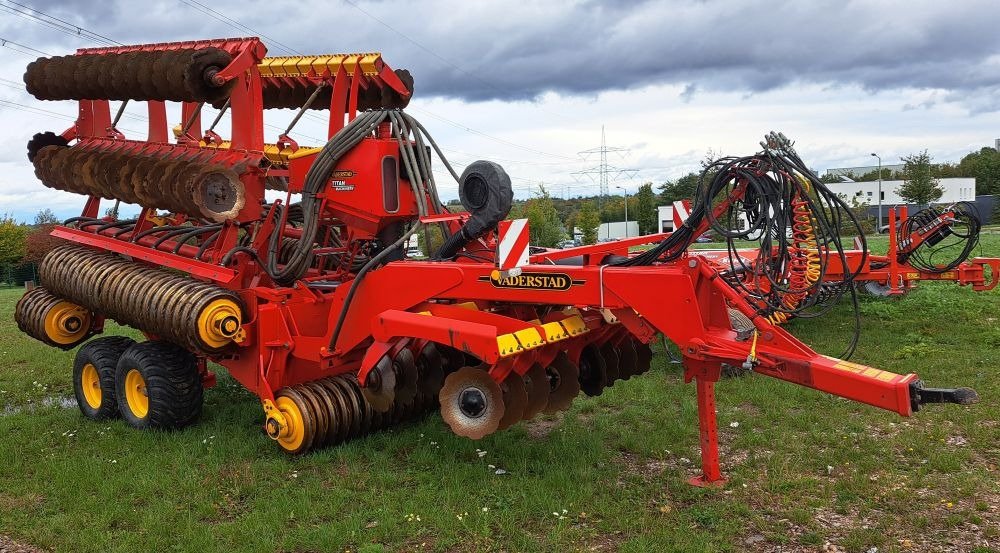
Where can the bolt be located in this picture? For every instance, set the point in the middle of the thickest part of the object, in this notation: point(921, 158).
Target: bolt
point(692, 263)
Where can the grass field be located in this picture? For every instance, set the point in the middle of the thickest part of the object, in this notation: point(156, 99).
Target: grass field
point(807, 471)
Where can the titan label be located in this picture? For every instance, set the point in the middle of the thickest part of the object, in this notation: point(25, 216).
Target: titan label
point(532, 281)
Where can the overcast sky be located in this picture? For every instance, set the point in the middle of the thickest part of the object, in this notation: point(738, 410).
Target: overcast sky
point(530, 84)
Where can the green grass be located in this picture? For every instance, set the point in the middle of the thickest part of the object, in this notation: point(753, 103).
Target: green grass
point(804, 467)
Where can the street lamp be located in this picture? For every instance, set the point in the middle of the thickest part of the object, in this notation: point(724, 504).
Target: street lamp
point(626, 209)
point(878, 224)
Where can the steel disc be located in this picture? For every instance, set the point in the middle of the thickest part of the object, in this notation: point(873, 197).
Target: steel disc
point(593, 377)
point(321, 417)
point(877, 289)
point(610, 363)
point(340, 401)
point(536, 383)
point(453, 359)
point(564, 383)
point(429, 370)
point(355, 419)
point(471, 403)
point(303, 410)
point(645, 356)
point(405, 367)
point(380, 386)
point(328, 412)
point(628, 359)
point(515, 399)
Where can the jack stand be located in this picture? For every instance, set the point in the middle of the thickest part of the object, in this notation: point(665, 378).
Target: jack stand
point(711, 472)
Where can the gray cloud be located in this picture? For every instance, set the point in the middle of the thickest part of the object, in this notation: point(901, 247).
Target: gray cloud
point(478, 51)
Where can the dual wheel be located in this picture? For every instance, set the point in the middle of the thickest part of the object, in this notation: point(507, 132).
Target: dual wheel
point(149, 384)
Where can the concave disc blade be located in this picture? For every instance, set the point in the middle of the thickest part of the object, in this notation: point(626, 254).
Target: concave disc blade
point(645, 354)
point(564, 383)
point(430, 370)
point(515, 399)
point(405, 367)
point(536, 383)
point(380, 386)
point(611, 369)
point(592, 373)
point(471, 403)
point(628, 359)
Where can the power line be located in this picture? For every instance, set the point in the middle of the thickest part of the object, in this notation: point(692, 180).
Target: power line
point(606, 173)
point(17, 47)
point(53, 22)
point(480, 133)
point(237, 25)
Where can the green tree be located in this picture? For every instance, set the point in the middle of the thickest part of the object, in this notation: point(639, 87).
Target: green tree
point(984, 166)
point(588, 220)
point(12, 239)
point(46, 217)
point(545, 227)
point(681, 189)
point(645, 209)
point(430, 239)
point(919, 185)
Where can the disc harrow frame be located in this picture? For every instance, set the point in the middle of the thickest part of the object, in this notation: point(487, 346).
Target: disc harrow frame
point(315, 308)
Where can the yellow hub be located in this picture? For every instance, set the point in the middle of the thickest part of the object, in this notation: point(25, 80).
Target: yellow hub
point(135, 393)
point(66, 323)
point(219, 322)
point(90, 383)
point(292, 432)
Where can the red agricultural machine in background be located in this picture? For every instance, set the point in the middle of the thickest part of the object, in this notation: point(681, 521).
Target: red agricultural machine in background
point(310, 302)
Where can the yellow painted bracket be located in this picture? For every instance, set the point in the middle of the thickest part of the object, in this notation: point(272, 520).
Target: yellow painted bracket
point(554, 332)
point(529, 337)
point(306, 66)
point(574, 325)
point(275, 422)
point(508, 345)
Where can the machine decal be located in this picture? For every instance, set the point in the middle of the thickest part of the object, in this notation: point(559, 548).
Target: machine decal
point(532, 281)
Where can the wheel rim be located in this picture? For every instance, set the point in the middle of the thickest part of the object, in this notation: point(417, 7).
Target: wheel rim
point(293, 434)
point(90, 383)
point(135, 393)
point(67, 323)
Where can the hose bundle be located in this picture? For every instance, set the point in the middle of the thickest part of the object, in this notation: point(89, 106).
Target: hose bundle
point(949, 246)
point(795, 219)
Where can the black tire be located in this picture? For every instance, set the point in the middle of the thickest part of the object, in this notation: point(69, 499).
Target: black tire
point(102, 354)
point(170, 381)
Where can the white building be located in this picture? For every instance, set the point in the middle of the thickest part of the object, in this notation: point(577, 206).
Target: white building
point(618, 230)
point(665, 216)
point(955, 190)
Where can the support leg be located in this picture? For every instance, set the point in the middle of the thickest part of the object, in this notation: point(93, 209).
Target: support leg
point(711, 473)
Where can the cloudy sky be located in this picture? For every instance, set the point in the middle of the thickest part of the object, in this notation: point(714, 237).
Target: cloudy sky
point(530, 84)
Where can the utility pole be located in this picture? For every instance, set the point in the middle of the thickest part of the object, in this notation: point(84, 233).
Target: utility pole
point(626, 208)
point(878, 224)
point(604, 173)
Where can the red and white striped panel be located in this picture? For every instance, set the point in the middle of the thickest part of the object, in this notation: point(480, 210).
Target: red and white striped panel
point(682, 210)
point(512, 244)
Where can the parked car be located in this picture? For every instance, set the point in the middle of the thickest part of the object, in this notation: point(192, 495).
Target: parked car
point(704, 239)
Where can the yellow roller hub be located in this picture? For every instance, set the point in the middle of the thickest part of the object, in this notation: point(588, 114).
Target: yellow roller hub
point(135, 393)
point(219, 322)
point(293, 433)
point(90, 383)
point(66, 323)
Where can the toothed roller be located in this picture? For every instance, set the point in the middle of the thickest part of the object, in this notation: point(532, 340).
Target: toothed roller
point(183, 75)
point(188, 312)
point(332, 410)
point(198, 189)
point(53, 320)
